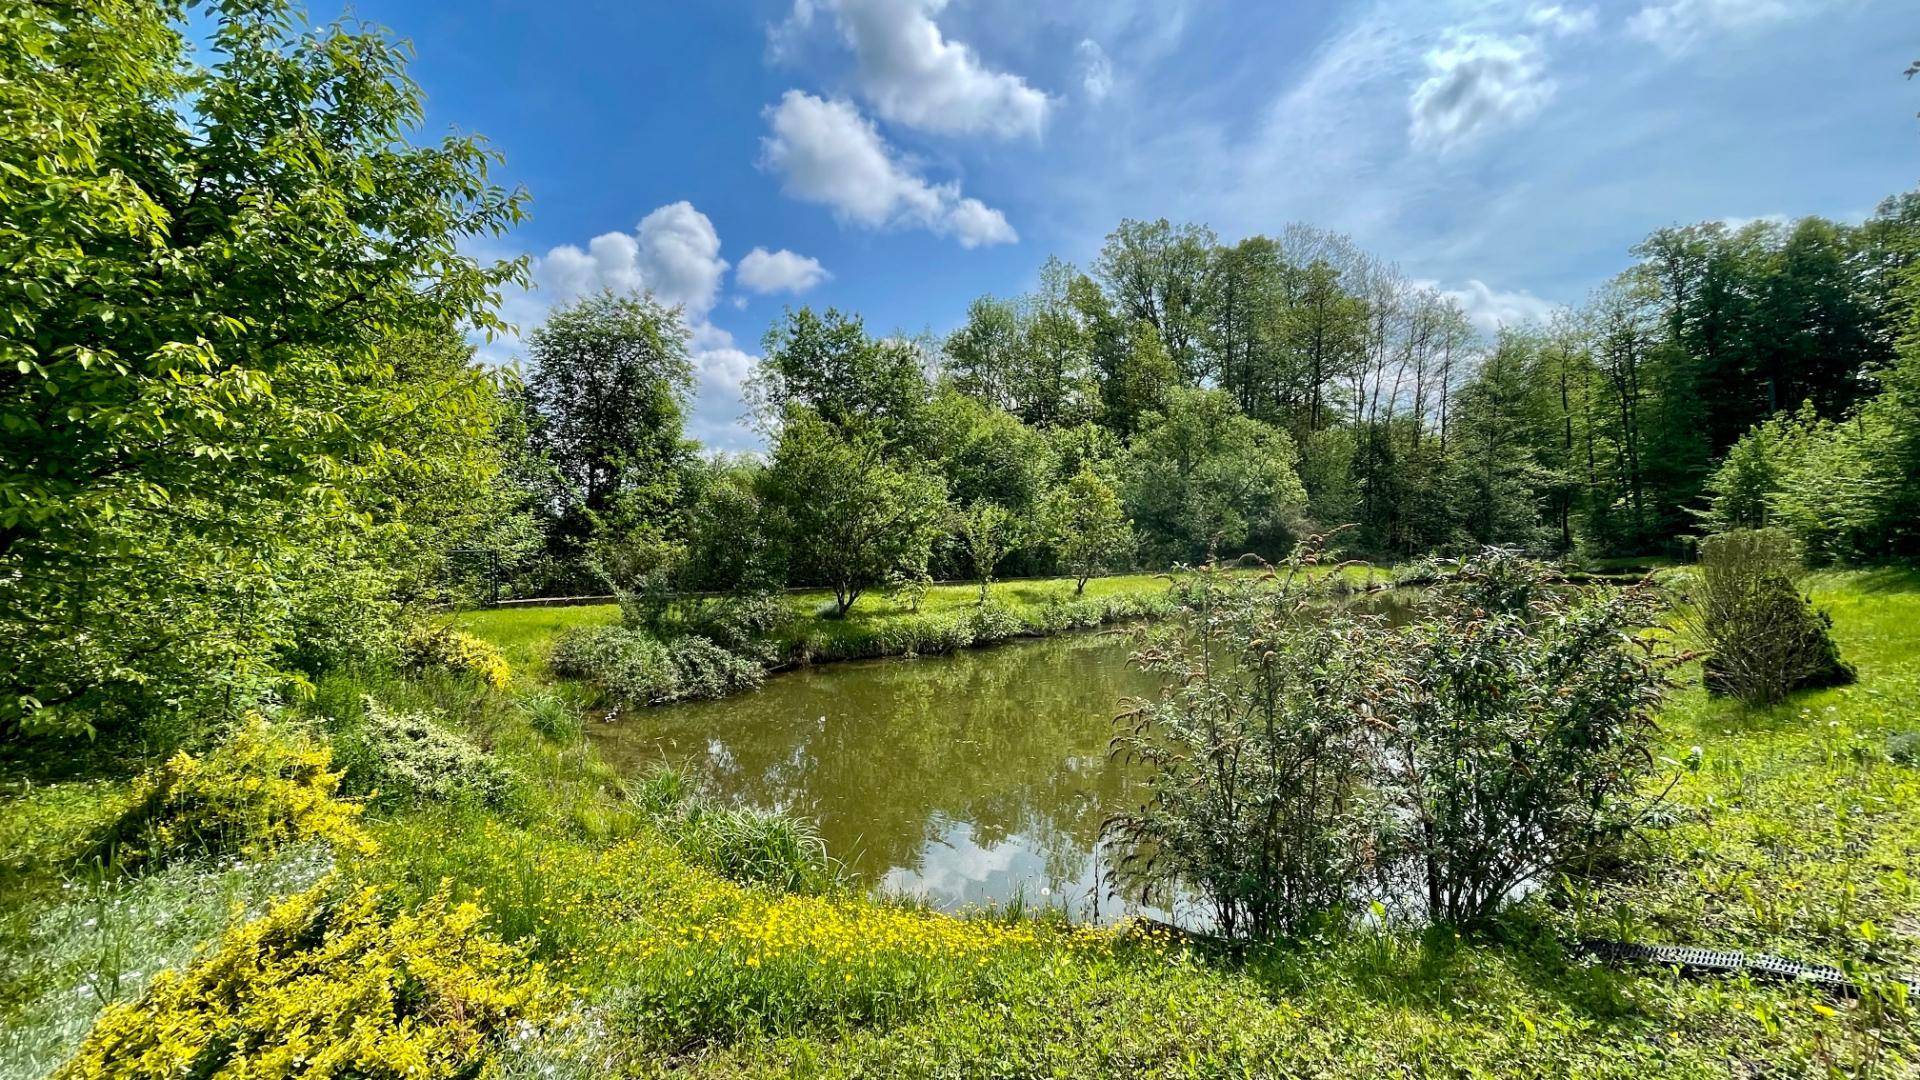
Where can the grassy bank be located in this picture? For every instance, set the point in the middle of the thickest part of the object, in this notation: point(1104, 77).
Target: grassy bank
point(526, 635)
point(1798, 834)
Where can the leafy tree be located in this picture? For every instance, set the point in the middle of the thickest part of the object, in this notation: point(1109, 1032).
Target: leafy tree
point(1204, 476)
point(205, 267)
point(987, 533)
point(828, 364)
point(849, 516)
point(1155, 272)
point(987, 454)
point(610, 382)
point(1087, 526)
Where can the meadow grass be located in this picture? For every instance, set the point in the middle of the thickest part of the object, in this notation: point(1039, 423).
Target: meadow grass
point(1798, 834)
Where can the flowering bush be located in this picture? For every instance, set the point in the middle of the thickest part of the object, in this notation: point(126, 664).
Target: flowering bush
point(432, 646)
point(266, 786)
point(326, 986)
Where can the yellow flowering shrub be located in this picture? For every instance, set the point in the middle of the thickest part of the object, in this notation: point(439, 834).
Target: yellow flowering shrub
point(326, 986)
point(444, 648)
point(267, 785)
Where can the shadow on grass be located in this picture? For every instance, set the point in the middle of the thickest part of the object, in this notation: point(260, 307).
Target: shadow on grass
point(1519, 964)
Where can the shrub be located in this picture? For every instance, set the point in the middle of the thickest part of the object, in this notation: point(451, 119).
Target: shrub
point(1518, 716)
point(1259, 754)
point(414, 757)
point(629, 665)
point(324, 987)
point(639, 669)
point(1302, 752)
point(266, 786)
point(745, 624)
point(702, 669)
point(1762, 639)
point(995, 622)
point(1903, 748)
point(436, 647)
point(552, 716)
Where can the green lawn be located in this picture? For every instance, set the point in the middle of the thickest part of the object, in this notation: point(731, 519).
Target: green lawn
point(1799, 835)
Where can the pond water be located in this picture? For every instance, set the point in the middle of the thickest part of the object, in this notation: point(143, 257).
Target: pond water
point(966, 779)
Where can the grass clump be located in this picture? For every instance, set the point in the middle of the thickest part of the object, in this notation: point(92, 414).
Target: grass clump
point(326, 985)
point(552, 715)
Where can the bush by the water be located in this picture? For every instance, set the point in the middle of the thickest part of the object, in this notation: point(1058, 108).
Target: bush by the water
point(1307, 755)
point(266, 786)
point(1762, 639)
point(1258, 751)
point(436, 647)
point(326, 985)
point(639, 669)
point(412, 757)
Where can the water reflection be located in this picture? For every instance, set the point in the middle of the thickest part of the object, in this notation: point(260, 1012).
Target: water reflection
point(967, 779)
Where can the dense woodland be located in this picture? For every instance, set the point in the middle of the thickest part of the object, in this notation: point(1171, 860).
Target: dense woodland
point(1227, 398)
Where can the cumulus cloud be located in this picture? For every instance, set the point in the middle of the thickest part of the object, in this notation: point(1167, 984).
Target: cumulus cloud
point(827, 153)
point(673, 253)
point(1563, 21)
point(764, 271)
point(1096, 71)
point(1478, 83)
point(1677, 25)
point(1489, 309)
point(912, 74)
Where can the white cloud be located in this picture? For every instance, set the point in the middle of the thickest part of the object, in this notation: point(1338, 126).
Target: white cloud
point(764, 271)
point(913, 75)
point(827, 153)
point(975, 224)
point(1096, 71)
point(1489, 309)
point(1477, 83)
point(1736, 222)
point(1677, 25)
point(1563, 21)
point(674, 253)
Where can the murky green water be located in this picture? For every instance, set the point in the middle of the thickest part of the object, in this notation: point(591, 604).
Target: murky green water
point(965, 779)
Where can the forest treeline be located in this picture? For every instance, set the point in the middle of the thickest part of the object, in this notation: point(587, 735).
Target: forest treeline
point(1183, 396)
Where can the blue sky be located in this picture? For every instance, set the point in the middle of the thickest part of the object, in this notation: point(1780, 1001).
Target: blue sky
point(899, 157)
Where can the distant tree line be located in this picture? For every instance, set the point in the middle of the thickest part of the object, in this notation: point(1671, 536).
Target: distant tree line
point(1188, 396)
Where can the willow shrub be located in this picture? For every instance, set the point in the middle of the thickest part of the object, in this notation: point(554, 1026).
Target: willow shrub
point(1518, 718)
point(326, 985)
point(1307, 754)
point(1260, 752)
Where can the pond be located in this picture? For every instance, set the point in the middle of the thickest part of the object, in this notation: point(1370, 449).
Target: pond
point(967, 779)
